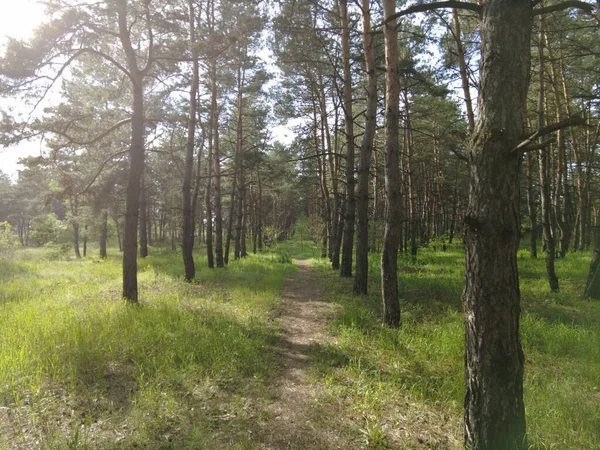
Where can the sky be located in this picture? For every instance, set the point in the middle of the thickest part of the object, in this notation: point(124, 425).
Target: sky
point(18, 19)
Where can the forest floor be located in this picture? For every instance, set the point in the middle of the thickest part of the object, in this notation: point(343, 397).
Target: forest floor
point(303, 318)
point(273, 353)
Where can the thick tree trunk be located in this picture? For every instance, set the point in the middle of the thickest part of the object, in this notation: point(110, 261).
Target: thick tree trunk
point(366, 149)
point(494, 410)
point(187, 231)
point(391, 235)
point(349, 212)
point(103, 233)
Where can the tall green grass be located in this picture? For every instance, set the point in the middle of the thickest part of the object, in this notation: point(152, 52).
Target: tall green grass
point(374, 369)
point(80, 368)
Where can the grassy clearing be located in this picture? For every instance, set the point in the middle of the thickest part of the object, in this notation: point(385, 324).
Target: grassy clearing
point(406, 386)
point(193, 366)
point(79, 368)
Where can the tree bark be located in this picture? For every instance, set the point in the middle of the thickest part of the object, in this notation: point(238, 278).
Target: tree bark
point(391, 235)
point(103, 233)
point(462, 66)
point(187, 232)
point(494, 410)
point(547, 228)
point(75, 223)
point(531, 207)
point(136, 160)
point(349, 212)
point(143, 220)
point(366, 150)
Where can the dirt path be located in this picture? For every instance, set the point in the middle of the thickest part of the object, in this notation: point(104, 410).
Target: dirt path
point(295, 420)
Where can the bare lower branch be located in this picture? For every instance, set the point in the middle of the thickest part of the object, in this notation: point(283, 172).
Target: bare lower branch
point(587, 7)
point(435, 5)
point(570, 122)
point(538, 146)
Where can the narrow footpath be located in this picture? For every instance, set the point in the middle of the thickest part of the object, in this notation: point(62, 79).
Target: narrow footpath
point(296, 423)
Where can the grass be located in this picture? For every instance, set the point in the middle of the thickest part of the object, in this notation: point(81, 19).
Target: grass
point(82, 369)
point(398, 379)
point(194, 365)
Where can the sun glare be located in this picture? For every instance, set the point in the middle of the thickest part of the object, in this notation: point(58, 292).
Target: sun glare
point(19, 18)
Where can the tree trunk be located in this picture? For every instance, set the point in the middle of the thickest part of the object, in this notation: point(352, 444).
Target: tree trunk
point(349, 212)
point(136, 162)
point(545, 180)
point(217, 185)
point(85, 239)
point(366, 150)
point(103, 233)
point(531, 208)
point(143, 212)
point(391, 235)
point(75, 222)
point(187, 231)
point(494, 410)
point(462, 66)
point(592, 285)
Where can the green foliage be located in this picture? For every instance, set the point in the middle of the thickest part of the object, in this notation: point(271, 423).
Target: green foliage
point(46, 228)
point(7, 240)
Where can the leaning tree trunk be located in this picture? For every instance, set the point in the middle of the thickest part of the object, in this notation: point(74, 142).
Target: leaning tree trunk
point(391, 235)
point(366, 148)
point(349, 212)
point(494, 410)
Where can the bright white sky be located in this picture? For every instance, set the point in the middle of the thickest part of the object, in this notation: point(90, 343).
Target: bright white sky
point(18, 19)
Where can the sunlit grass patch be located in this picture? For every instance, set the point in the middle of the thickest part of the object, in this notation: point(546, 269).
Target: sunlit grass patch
point(374, 369)
point(81, 368)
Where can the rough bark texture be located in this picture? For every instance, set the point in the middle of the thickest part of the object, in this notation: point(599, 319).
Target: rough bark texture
point(391, 235)
point(366, 148)
point(494, 411)
point(349, 212)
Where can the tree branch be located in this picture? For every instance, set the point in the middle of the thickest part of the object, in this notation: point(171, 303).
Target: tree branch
point(565, 5)
point(435, 5)
point(538, 146)
point(94, 140)
point(570, 122)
